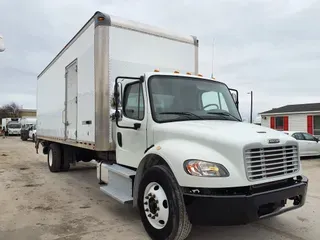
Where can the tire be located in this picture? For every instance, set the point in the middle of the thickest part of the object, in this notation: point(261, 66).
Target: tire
point(65, 165)
point(159, 180)
point(54, 157)
point(67, 155)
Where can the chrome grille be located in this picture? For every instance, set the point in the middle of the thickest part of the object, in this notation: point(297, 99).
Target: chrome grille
point(270, 162)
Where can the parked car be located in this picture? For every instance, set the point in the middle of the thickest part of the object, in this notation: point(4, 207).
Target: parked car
point(309, 145)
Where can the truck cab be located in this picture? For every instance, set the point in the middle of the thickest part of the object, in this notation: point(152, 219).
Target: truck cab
point(13, 128)
point(165, 107)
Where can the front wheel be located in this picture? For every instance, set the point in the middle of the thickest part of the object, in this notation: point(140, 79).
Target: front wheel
point(161, 205)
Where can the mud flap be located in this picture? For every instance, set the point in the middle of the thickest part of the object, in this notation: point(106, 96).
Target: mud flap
point(36, 145)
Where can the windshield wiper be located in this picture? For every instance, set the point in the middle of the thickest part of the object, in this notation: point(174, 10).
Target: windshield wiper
point(183, 113)
point(225, 114)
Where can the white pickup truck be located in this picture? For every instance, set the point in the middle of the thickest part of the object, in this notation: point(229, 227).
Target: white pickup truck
point(166, 139)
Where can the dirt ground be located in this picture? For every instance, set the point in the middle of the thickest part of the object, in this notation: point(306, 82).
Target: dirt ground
point(38, 205)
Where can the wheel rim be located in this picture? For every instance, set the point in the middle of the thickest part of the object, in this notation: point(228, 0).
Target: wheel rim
point(156, 205)
point(50, 157)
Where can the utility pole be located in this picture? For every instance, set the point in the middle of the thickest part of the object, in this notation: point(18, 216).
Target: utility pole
point(251, 105)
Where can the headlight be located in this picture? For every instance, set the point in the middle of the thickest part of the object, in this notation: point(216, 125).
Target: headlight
point(205, 169)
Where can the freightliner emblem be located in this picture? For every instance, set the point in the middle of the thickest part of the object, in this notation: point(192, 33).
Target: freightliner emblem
point(274, 140)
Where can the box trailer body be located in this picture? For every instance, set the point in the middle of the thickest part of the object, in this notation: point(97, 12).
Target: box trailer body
point(4, 122)
point(166, 139)
point(75, 89)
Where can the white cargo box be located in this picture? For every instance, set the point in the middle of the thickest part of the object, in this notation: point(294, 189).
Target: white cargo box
point(74, 91)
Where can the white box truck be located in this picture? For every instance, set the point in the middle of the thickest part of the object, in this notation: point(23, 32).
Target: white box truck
point(12, 126)
point(166, 139)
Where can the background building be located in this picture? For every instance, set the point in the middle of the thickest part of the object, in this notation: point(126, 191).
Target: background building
point(298, 117)
point(28, 113)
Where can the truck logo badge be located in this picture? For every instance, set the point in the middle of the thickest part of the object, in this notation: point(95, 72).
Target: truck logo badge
point(274, 140)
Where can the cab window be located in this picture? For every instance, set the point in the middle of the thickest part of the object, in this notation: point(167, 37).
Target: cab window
point(133, 102)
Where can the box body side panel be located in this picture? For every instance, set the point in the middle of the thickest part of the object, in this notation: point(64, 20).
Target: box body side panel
point(51, 90)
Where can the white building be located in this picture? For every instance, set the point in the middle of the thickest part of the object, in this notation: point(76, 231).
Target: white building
point(299, 117)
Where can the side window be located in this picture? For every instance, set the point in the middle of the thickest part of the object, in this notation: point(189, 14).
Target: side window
point(213, 100)
point(298, 136)
point(133, 102)
point(308, 137)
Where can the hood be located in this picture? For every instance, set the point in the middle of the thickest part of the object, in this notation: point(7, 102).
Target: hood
point(220, 132)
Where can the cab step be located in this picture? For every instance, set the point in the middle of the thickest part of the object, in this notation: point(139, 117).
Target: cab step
point(117, 181)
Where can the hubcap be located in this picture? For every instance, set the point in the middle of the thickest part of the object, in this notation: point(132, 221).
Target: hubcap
point(156, 205)
point(50, 158)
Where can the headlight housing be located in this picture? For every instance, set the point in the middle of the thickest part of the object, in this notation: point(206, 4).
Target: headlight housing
point(201, 168)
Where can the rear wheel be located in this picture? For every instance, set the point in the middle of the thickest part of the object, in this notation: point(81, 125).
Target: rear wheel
point(161, 205)
point(54, 157)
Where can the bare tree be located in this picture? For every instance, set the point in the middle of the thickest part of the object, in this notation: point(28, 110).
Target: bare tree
point(11, 110)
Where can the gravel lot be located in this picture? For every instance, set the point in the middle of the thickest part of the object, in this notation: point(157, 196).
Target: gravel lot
point(36, 204)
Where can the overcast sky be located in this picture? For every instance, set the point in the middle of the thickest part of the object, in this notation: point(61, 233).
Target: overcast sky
point(269, 46)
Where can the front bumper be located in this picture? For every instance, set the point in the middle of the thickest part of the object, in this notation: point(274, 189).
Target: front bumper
point(244, 205)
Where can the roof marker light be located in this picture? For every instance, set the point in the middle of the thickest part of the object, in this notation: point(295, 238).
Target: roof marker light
point(156, 70)
point(200, 75)
point(188, 73)
point(176, 71)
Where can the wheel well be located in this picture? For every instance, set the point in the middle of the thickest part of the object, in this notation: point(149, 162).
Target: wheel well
point(45, 146)
point(147, 162)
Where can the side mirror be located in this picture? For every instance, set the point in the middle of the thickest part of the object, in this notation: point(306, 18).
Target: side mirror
point(235, 96)
point(116, 113)
point(117, 96)
point(316, 139)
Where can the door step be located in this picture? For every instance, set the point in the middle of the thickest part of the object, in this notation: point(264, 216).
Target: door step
point(117, 181)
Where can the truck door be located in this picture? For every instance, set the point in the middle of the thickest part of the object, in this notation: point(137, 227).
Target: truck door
point(71, 103)
point(130, 142)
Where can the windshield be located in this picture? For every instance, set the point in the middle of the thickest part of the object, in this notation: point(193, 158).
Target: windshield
point(14, 125)
point(176, 98)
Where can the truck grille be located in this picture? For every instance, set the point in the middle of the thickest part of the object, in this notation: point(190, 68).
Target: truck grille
point(270, 162)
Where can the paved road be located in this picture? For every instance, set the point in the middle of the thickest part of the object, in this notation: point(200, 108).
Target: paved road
point(38, 205)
